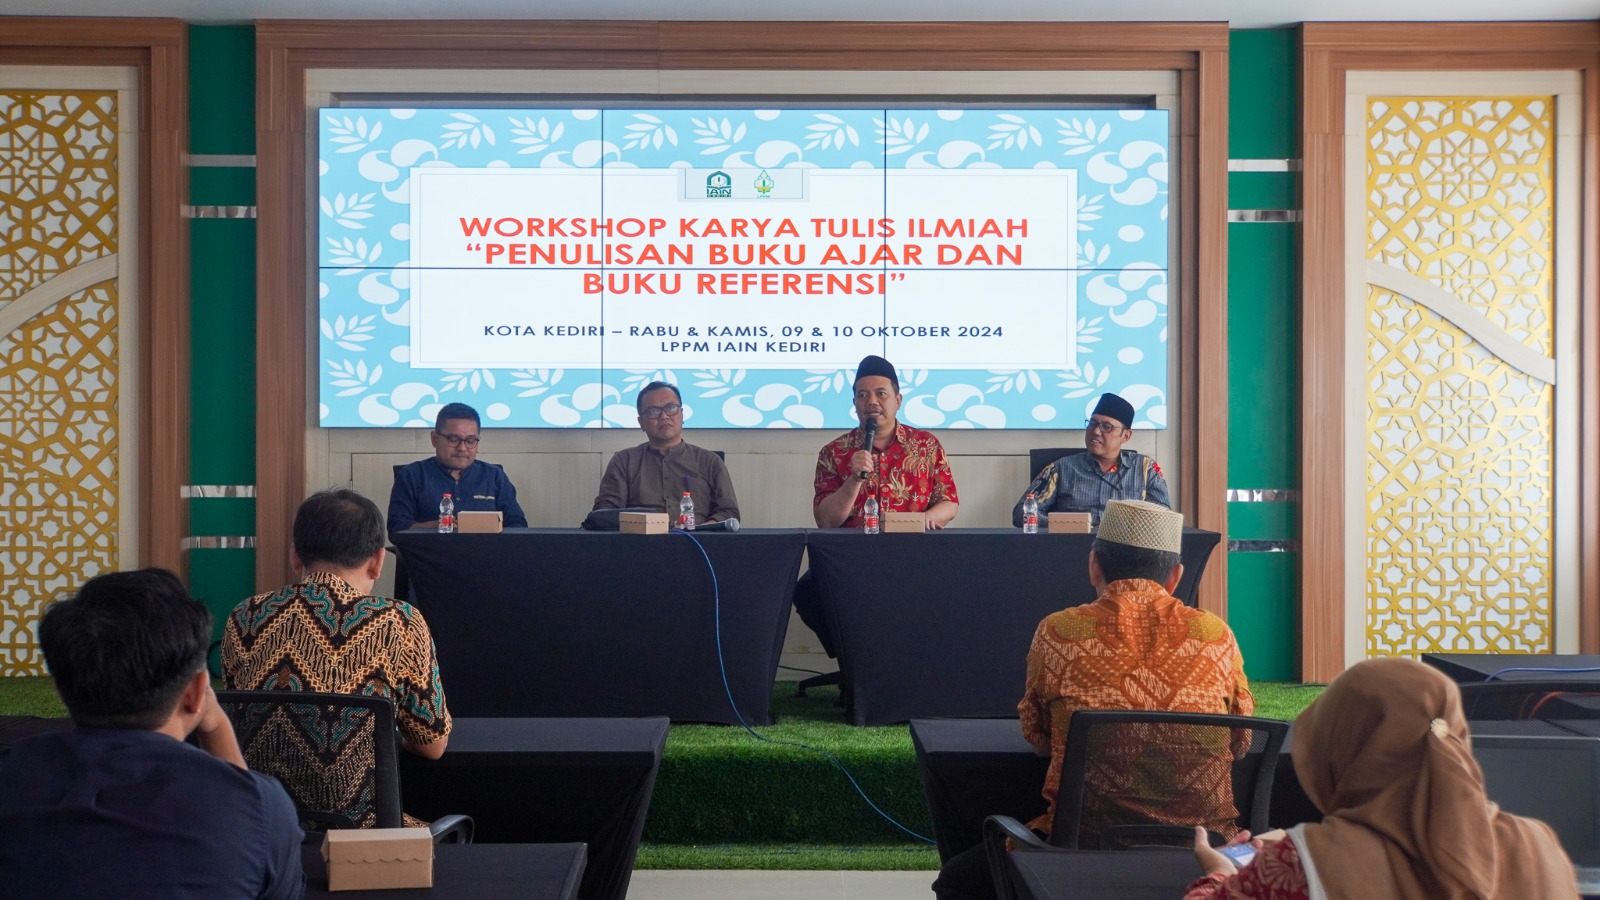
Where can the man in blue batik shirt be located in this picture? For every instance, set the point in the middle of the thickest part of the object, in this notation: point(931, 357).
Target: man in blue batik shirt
point(456, 470)
point(1086, 482)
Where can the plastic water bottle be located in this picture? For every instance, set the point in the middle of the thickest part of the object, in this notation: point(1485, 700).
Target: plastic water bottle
point(447, 514)
point(869, 515)
point(1030, 515)
point(686, 512)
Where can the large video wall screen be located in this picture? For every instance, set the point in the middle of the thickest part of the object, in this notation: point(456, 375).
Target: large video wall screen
point(543, 264)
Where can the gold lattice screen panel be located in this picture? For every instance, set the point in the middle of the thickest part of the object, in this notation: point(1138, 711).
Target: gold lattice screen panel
point(59, 360)
point(1458, 437)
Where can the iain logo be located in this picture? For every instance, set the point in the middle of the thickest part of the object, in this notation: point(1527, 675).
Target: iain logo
point(764, 184)
point(718, 184)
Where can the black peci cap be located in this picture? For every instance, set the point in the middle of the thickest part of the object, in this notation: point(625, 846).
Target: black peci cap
point(1115, 407)
point(877, 365)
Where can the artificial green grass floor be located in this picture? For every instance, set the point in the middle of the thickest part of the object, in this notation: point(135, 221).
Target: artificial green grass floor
point(726, 800)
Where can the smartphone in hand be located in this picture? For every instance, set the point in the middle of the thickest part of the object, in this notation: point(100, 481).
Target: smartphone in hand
point(1241, 854)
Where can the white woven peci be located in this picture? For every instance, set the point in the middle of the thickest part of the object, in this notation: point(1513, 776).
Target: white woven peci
point(1138, 523)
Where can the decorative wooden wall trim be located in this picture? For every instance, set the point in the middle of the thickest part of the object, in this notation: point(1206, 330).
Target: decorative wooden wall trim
point(1328, 52)
point(158, 48)
point(286, 49)
point(1589, 375)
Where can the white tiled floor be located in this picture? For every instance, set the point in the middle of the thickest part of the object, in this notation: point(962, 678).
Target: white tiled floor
point(689, 885)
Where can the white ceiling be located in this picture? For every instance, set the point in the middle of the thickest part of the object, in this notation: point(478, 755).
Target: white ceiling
point(1239, 13)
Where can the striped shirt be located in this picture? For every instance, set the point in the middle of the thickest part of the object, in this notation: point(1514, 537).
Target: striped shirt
point(1076, 483)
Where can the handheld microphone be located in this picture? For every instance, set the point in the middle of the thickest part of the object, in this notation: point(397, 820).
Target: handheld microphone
point(869, 430)
point(729, 524)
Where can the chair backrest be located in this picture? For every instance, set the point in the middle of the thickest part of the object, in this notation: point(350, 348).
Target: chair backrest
point(1039, 457)
point(336, 754)
point(1541, 699)
point(1159, 773)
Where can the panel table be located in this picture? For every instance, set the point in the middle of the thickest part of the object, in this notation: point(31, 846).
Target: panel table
point(939, 624)
point(1468, 667)
point(1154, 874)
point(538, 781)
point(563, 622)
point(473, 872)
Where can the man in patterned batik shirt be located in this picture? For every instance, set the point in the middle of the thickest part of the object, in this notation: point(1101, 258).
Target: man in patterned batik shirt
point(327, 633)
point(1086, 482)
point(904, 467)
point(1134, 647)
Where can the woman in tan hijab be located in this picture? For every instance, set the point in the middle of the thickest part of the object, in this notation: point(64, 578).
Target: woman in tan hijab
point(1386, 755)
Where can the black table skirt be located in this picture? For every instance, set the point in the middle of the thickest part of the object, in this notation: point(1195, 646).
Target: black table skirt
point(547, 622)
point(939, 624)
point(1465, 668)
point(972, 769)
point(542, 781)
point(1102, 874)
point(473, 872)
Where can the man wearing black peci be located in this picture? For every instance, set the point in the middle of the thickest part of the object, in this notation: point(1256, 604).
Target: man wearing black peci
point(1086, 482)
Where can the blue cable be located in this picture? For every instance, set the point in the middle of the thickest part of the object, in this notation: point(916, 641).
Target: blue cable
point(716, 613)
point(1543, 670)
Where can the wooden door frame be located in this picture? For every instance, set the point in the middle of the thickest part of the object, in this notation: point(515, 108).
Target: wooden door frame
point(158, 50)
point(1328, 53)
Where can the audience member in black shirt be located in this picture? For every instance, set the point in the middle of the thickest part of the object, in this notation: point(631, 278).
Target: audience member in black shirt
point(121, 806)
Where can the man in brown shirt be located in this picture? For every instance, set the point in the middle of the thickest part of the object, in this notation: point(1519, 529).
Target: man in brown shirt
point(656, 473)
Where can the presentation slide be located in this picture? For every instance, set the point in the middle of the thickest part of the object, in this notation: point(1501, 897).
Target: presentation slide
point(544, 264)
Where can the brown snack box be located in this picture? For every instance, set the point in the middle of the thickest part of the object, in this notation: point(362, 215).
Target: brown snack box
point(367, 859)
point(1069, 523)
point(905, 522)
point(480, 521)
point(642, 522)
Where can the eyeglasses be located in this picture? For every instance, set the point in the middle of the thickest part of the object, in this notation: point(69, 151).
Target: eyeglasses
point(656, 412)
point(1104, 426)
point(457, 440)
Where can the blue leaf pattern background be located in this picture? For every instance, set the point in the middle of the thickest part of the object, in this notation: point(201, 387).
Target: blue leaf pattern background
point(363, 239)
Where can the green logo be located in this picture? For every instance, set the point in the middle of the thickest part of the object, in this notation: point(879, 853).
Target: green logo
point(764, 184)
point(718, 184)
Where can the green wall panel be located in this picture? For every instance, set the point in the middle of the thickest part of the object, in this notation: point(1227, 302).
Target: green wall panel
point(222, 350)
point(1263, 190)
point(222, 274)
point(1263, 521)
point(1263, 78)
point(223, 516)
point(220, 579)
point(222, 89)
point(1263, 356)
point(222, 186)
point(1263, 351)
point(1262, 592)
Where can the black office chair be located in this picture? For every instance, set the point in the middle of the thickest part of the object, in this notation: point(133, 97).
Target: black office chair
point(815, 681)
point(1039, 457)
point(1120, 761)
point(336, 755)
point(1542, 699)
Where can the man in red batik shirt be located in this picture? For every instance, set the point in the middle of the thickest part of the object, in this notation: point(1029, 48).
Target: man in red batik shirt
point(905, 467)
